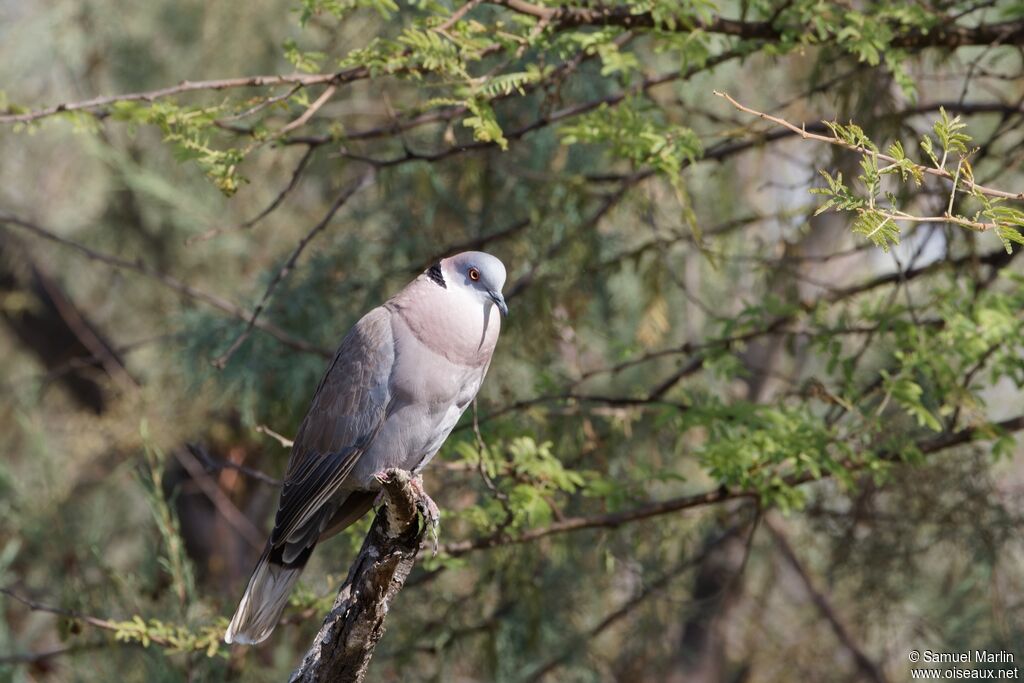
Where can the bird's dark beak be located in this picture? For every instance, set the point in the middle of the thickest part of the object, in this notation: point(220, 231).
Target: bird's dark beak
point(499, 301)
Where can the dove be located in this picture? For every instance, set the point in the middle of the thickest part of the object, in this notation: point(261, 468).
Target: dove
point(397, 385)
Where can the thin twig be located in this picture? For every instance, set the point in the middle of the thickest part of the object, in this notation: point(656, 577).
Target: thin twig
point(312, 109)
point(228, 510)
point(296, 175)
point(283, 440)
point(82, 362)
point(864, 663)
point(97, 103)
point(366, 179)
point(212, 464)
point(581, 640)
point(168, 281)
point(258, 107)
point(83, 331)
point(498, 494)
point(104, 624)
point(802, 132)
point(42, 656)
point(613, 520)
point(473, 244)
point(996, 259)
point(456, 16)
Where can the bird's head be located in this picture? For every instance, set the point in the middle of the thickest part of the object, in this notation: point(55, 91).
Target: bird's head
point(475, 274)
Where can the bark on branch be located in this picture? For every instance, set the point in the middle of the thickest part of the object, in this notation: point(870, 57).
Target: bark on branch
point(344, 646)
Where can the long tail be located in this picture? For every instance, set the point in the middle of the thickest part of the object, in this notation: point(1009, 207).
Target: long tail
point(265, 596)
point(279, 567)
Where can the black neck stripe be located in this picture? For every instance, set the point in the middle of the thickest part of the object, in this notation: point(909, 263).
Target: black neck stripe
point(435, 274)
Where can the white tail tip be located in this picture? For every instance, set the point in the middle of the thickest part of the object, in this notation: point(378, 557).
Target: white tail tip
point(261, 606)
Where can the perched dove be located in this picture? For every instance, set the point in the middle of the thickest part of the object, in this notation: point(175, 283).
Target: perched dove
point(398, 383)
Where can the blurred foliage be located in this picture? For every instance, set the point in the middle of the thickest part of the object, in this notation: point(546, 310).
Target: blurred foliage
point(714, 318)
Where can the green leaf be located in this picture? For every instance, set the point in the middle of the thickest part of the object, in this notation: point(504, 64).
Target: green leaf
point(506, 84)
point(909, 395)
point(308, 62)
point(877, 227)
point(851, 134)
point(840, 196)
point(926, 145)
point(1009, 235)
point(632, 132)
point(484, 123)
point(950, 133)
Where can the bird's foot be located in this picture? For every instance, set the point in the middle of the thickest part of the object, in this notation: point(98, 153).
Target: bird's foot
point(382, 497)
point(424, 503)
point(428, 508)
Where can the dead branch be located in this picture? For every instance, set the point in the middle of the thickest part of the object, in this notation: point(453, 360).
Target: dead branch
point(342, 650)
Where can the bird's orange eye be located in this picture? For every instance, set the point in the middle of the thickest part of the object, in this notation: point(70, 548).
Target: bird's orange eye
point(474, 274)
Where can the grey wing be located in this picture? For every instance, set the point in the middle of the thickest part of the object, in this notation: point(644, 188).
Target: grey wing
point(348, 409)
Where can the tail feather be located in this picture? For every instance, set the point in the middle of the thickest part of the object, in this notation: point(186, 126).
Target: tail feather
point(265, 598)
point(280, 566)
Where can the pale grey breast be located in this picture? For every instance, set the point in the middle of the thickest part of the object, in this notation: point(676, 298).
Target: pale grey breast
point(442, 352)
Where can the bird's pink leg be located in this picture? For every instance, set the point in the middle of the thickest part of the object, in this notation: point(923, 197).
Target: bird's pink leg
point(428, 507)
point(381, 477)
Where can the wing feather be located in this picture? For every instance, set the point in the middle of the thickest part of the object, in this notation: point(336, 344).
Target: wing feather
point(349, 407)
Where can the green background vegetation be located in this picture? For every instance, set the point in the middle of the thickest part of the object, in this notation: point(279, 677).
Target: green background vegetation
point(734, 430)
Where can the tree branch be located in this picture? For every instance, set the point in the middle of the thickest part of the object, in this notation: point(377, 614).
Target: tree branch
point(97, 103)
point(276, 202)
point(948, 35)
point(612, 520)
point(803, 132)
point(343, 648)
point(649, 590)
point(228, 510)
point(117, 628)
point(366, 179)
point(867, 665)
point(167, 281)
point(212, 464)
point(35, 658)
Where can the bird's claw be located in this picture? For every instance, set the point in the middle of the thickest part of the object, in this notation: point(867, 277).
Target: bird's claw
point(424, 504)
point(381, 498)
point(428, 508)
